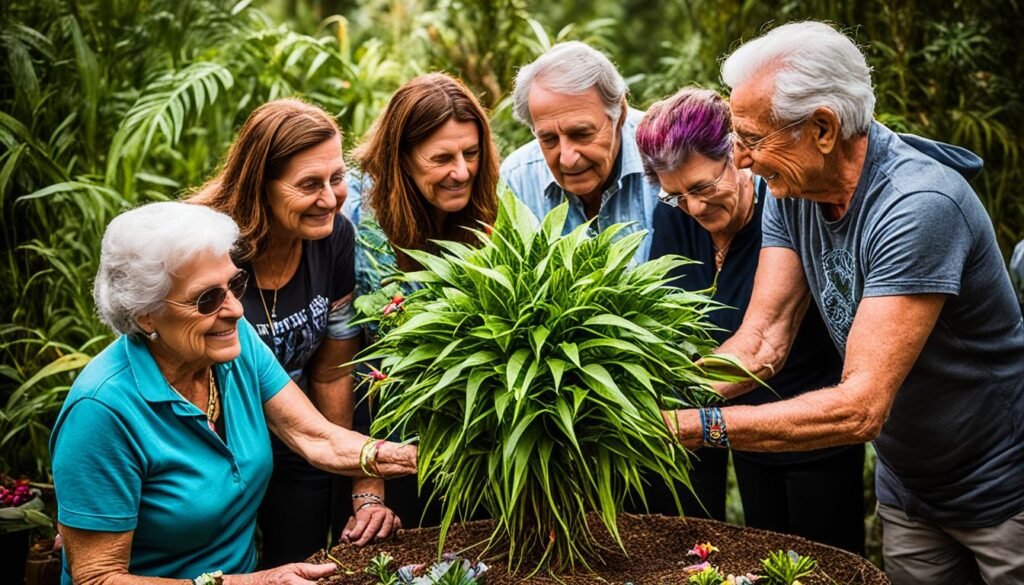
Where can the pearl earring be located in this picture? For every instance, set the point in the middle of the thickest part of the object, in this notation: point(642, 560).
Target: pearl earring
point(153, 336)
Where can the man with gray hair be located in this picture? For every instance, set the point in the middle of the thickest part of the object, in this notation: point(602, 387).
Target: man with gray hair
point(883, 232)
point(574, 101)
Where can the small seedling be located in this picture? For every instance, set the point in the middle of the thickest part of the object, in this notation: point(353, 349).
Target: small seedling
point(709, 576)
point(786, 568)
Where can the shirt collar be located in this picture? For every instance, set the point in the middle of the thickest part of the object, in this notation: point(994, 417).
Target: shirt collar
point(150, 381)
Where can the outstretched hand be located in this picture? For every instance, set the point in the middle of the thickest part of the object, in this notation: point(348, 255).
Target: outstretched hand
point(291, 574)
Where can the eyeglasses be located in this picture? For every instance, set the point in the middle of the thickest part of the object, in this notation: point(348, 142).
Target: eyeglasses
point(756, 144)
point(702, 193)
point(212, 299)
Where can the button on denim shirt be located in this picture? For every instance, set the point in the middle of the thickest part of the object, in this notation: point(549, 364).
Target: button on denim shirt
point(630, 198)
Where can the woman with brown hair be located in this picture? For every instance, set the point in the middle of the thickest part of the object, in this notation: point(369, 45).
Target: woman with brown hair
point(430, 167)
point(429, 171)
point(283, 182)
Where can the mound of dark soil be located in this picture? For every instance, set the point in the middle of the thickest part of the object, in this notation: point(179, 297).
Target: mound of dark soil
point(656, 549)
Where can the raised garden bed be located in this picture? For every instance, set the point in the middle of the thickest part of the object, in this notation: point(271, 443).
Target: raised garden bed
point(656, 545)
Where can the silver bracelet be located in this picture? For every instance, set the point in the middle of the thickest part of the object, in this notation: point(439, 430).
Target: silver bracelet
point(368, 504)
point(367, 496)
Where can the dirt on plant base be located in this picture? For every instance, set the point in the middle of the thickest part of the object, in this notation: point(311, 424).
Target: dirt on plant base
point(656, 547)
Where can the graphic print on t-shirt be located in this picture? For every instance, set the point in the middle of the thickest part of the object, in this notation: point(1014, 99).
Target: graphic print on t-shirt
point(297, 335)
point(837, 297)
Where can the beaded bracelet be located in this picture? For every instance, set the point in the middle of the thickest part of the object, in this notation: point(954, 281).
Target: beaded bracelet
point(713, 427)
point(366, 496)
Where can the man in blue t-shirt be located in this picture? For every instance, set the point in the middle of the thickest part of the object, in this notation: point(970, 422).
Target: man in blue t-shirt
point(574, 101)
point(884, 234)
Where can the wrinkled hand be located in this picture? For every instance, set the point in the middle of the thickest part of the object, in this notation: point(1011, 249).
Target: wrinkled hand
point(371, 524)
point(292, 574)
point(685, 426)
point(396, 460)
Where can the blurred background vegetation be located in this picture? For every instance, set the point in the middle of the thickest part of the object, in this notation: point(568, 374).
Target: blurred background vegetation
point(108, 103)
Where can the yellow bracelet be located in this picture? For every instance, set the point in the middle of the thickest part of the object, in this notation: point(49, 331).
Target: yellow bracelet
point(367, 461)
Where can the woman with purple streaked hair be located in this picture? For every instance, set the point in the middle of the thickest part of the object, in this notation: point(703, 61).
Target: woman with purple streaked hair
point(712, 214)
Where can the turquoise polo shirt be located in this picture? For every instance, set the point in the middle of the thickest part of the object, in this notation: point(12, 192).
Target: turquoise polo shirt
point(129, 453)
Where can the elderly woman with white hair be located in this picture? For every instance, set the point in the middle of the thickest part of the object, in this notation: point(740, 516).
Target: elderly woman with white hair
point(161, 452)
point(574, 101)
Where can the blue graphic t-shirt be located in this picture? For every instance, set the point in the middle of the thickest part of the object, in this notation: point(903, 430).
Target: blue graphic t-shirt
point(952, 449)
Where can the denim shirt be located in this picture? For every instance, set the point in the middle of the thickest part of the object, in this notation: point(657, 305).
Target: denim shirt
point(375, 260)
point(630, 198)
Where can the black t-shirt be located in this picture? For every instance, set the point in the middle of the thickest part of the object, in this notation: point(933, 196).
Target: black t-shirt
point(326, 273)
point(813, 360)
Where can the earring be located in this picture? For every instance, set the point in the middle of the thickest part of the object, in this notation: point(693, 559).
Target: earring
point(153, 336)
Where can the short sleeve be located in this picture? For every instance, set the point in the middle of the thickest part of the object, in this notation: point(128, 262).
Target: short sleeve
point(339, 322)
point(921, 246)
point(97, 470)
point(774, 227)
point(270, 375)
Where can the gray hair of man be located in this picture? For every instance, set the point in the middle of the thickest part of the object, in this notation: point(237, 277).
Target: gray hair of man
point(144, 247)
point(571, 68)
point(815, 66)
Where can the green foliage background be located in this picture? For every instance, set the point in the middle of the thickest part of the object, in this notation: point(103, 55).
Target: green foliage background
point(108, 103)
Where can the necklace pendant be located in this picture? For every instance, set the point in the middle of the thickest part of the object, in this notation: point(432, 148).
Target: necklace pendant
point(273, 314)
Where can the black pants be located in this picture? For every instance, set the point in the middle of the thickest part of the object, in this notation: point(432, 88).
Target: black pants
point(822, 500)
point(303, 511)
point(708, 479)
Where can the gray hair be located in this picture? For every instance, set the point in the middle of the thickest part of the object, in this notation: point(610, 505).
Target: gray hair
point(143, 247)
point(816, 66)
point(571, 68)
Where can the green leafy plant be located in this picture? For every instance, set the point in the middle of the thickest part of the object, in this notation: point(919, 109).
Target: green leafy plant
point(450, 570)
point(708, 576)
point(534, 369)
point(380, 567)
point(785, 568)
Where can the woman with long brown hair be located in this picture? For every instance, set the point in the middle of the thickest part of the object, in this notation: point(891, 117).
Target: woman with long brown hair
point(430, 167)
point(429, 171)
point(283, 182)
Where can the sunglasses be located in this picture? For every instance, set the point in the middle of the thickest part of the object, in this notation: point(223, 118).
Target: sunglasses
point(212, 299)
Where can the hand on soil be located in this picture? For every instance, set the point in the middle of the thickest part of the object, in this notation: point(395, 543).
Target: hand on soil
point(371, 524)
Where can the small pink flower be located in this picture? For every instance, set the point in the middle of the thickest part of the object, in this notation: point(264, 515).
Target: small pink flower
point(702, 551)
point(378, 375)
point(693, 569)
point(394, 305)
